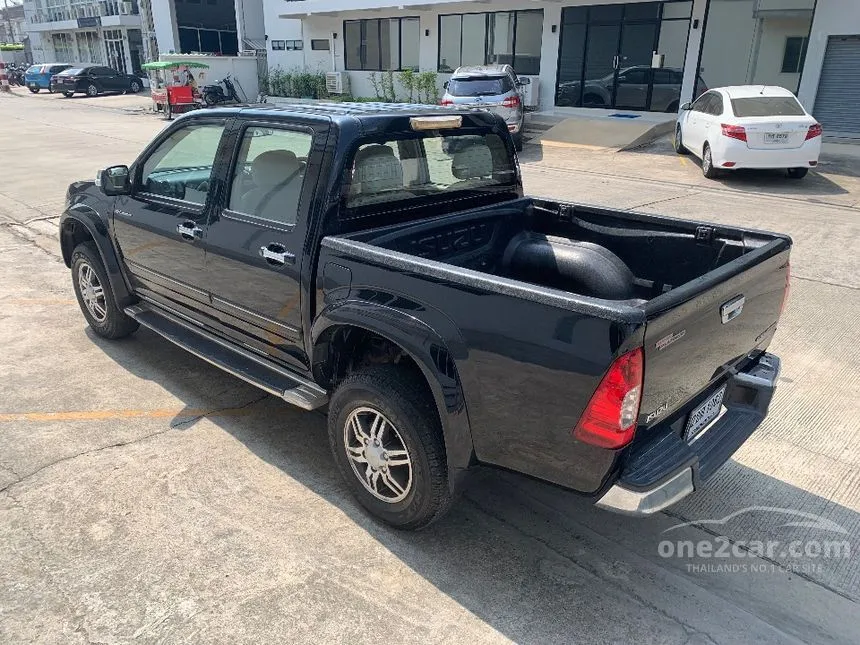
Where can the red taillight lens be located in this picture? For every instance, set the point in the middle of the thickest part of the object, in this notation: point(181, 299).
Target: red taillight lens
point(814, 131)
point(511, 102)
point(734, 131)
point(787, 288)
point(446, 102)
point(609, 421)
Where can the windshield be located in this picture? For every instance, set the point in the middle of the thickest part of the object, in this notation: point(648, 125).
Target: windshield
point(71, 72)
point(430, 166)
point(767, 106)
point(479, 86)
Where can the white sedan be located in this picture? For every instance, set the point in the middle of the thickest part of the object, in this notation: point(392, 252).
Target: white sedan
point(749, 126)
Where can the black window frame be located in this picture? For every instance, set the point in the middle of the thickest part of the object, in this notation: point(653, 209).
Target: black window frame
point(486, 15)
point(362, 54)
point(800, 55)
point(316, 41)
point(279, 45)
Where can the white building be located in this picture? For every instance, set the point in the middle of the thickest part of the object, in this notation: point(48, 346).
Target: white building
point(12, 24)
point(638, 55)
point(108, 32)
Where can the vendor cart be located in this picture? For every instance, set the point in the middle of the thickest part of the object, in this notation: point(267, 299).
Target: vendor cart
point(169, 94)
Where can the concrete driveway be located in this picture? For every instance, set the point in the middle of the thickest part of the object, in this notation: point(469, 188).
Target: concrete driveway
point(147, 497)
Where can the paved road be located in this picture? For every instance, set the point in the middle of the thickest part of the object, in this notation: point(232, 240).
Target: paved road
point(148, 497)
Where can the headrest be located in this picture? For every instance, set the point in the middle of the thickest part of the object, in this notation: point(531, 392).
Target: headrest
point(274, 166)
point(376, 170)
point(472, 162)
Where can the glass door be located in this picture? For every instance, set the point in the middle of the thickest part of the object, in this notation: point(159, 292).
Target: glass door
point(601, 61)
point(633, 79)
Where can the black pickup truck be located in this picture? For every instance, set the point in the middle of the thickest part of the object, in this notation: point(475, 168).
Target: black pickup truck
point(382, 260)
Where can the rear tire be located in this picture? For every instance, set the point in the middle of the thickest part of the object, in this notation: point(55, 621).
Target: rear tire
point(518, 142)
point(68, 95)
point(678, 142)
point(94, 294)
point(34, 90)
point(708, 169)
point(92, 90)
point(399, 398)
point(134, 87)
point(797, 173)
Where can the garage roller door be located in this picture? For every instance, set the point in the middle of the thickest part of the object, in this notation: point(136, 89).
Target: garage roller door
point(836, 105)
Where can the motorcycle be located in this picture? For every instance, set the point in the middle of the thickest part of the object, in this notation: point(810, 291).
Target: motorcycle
point(215, 94)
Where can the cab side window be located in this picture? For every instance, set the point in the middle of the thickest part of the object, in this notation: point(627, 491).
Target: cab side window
point(181, 166)
point(269, 174)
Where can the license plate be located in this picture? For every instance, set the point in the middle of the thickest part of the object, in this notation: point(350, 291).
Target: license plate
point(704, 414)
point(775, 137)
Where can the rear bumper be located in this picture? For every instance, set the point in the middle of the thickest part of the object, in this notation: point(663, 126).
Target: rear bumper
point(744, 157)
point(666, 469)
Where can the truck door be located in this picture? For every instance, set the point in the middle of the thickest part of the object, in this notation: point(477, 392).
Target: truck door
point(255, 238)
point(160, 227)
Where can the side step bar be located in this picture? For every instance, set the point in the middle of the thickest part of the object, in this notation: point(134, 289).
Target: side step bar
point(239, 362)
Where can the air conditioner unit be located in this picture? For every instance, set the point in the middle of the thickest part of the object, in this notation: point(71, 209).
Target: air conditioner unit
point(337, 82)
point(530, 91)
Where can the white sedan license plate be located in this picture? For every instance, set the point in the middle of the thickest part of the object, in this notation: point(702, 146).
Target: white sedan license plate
point(776, 137)
point(704, 414)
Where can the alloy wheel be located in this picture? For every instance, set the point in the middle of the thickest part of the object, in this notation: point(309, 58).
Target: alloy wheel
point(378, 455)
point(92, 292)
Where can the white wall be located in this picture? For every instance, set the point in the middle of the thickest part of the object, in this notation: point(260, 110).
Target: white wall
point(832, 18)
point(250, 23)
point(165, 25)
point(768, 63)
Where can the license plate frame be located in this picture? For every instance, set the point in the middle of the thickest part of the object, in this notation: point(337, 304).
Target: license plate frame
point(775, 137)
point(704, 414)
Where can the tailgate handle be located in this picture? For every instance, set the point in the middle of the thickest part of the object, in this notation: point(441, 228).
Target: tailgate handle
point(732, 309)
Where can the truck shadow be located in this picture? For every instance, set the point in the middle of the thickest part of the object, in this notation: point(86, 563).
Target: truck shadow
point(536, 563)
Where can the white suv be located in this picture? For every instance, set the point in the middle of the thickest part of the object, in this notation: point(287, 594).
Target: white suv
point(495, 87)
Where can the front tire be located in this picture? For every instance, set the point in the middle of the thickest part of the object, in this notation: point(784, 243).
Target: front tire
point(708, 169)
point(678, 142)
point(386, 438)
point(34, 90)
point(797, 173)
point(94, 294)
point(210, 99)
point(134, 87)
point(68, 95)
point(92, 90)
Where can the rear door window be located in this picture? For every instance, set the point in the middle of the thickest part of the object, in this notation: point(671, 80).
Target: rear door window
point(767, 106)
point(480, 86)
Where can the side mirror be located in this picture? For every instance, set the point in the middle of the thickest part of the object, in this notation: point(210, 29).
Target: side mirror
point(445, 85)
point(686, 106)
point(115, 180)
point(524, 81)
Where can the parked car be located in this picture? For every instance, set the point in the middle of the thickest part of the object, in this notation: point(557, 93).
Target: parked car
point(749, 126)
point(631, 89)
point(336, 255)
point(94, 80)
point(494, 87)
point(38, 77)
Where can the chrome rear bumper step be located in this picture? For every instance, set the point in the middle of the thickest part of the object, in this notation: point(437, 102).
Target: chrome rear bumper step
point(239, 362)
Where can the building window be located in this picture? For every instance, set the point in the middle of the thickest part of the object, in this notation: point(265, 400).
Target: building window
point(794, 54)
point(381, 44)
point(279, 45)
point(320, 44)
point(294, 45)
point(503, 37)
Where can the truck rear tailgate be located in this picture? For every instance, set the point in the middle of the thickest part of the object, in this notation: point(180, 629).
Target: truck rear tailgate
point(698, 332)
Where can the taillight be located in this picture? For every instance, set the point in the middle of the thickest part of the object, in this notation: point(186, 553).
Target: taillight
point(446, 102)
point(609, 420)
point(814, 131)
point(734, 131)
point(787, 288)
point(511, 102)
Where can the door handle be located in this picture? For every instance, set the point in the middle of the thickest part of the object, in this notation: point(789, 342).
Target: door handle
point(189, 230)
point(276, 255)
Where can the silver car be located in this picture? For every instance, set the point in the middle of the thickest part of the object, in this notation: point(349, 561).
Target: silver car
point(495, 87)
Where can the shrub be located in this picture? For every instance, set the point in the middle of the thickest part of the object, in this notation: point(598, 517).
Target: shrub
point(408, 80)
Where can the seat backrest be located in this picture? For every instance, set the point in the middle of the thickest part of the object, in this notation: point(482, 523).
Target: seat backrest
point(377, 173)
point(472, 164)
point(277, 177)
